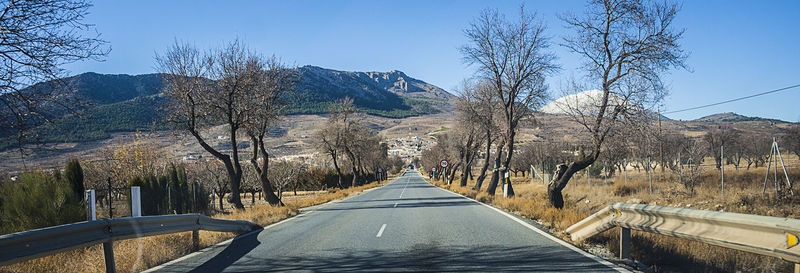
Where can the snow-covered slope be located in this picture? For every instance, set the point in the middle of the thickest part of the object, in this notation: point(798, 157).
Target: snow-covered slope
point(587, 102)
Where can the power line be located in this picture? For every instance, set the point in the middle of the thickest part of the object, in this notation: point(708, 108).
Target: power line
point(732, 100)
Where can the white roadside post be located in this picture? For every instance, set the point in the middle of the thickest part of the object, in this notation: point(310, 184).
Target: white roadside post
point(91, 207)
point(136, 202)
point(505, 185)
point(533, 175)
point(213, 195)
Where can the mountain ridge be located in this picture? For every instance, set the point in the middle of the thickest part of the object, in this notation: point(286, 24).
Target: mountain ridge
point(127, 103)
point(734, 117)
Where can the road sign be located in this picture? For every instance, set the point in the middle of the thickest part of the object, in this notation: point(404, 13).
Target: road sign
point(443, 164)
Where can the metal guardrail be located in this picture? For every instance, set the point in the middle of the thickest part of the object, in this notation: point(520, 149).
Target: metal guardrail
point(766, 235)
point(42, 242)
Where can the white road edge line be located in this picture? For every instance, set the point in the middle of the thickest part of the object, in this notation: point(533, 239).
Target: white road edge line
point(546, 235)
point(380, 232)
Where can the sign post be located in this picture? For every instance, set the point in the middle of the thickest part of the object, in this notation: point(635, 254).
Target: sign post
point(443, 164)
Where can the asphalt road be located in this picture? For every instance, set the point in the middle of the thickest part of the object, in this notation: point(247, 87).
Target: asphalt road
point(407, 225)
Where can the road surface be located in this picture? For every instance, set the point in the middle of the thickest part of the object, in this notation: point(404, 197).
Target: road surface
point(407, 225)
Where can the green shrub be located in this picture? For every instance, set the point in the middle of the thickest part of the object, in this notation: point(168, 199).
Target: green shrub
point(73, 173)
point(37, 200)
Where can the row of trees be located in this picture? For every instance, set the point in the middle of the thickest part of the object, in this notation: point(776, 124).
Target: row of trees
point(351, 145)
point(171, 192)
point(233, 86)
point(626, 46)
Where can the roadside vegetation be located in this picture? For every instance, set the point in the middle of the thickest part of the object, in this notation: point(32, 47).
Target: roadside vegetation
point(659, 253)
point(139, 254)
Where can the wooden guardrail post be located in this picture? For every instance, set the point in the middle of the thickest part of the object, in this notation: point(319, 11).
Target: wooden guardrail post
point(108, 252)
point(624, 243)
point(796, 268)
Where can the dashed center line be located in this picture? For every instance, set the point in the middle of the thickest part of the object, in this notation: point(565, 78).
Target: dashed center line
point(380, 232)
point(404, 189)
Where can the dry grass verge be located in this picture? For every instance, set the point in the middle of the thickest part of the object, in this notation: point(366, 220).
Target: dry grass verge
point(743, 194)
point(135, 255)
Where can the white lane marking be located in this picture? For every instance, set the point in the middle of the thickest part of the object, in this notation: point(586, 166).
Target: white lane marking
point(380, 232)
point(546, 235)
point(404, 188)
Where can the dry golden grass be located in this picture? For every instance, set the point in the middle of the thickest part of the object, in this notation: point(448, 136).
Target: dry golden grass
point(135, 255)
point(743, 194)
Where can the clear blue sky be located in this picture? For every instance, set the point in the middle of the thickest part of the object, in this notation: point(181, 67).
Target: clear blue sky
point(737, 47)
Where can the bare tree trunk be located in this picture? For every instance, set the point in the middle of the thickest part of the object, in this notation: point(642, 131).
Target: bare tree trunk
point(482, 175)
point(338, 171)
point(465, 172)
point(453, 172)
point(496, 172)
point(266, 186)
point(562, 176)
point(507, 163)
point(221, 196)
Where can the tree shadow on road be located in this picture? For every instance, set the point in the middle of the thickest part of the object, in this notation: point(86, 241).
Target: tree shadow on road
point(426, 258)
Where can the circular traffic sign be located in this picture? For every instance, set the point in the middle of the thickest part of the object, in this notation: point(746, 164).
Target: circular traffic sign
point(443, 163)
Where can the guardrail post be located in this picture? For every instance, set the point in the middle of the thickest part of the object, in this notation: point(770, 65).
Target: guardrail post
point(624, 243)
point(108, 252)
point(195, 240)
point(796, 268)
point(136, 202)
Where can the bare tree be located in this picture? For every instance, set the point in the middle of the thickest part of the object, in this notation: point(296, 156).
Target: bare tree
point(694, 152)
point(38, 37)
point(483, 110)
point(283, 174)
point(514, 58)
point(626, 45)
point(344, 125)
point(757, 149)
point(213, 176)
point(469, 114)
point(272, 80)
point(330, 139)
point(718, 137)
point(209, 89)
point(792, 139)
